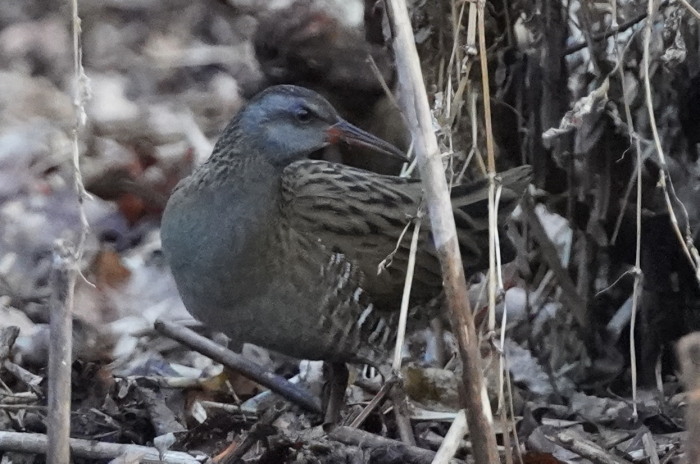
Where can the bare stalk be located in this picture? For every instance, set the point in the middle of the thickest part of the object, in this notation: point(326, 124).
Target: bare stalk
point(688, 351)
point(65, 274)
point(406, 297)
point(414, 103)
point(686, 242)
point(637, 288)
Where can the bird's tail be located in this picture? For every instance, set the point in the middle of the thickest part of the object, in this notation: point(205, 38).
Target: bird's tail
point(470, 205)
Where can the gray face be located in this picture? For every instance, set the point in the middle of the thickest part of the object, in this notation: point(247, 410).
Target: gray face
point(287, 123)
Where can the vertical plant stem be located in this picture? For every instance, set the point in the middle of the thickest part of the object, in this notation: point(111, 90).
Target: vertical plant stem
point(414, 103)
point(66, 269)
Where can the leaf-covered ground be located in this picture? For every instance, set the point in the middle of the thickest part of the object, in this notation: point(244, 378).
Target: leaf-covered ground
point(164, 78)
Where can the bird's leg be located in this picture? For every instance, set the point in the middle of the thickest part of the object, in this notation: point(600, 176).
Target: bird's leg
point(334, 392)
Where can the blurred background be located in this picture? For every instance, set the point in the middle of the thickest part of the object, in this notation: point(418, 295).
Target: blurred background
point(164, 78)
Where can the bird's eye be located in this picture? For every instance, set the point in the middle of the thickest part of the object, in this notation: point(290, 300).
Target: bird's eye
point(303, 115)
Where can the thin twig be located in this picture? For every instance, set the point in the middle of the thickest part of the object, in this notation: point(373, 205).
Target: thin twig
point(509, 385)
point(690, 8)
point(234, 361)
point(398, 395)
point(260, 430)
point(471, 30)
point(636, 290)
point(615, 30)
point(35, 443)
point(8, 335)
point(381, 394)
point(386, 262)
point(491, 165)
point(402, 414)
point(22, 407)
point(229, 408)
point(65, 275)
point(385, 87)
point(665, 180)
point(453, 439)
point(406, 297)
point(60, 356)
point(650, 448)
point(32, 381)
point(403, 452)
point(503, 379)
point(573, 441)
point(688, 351)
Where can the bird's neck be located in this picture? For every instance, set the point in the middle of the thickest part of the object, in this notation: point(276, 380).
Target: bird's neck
point(248, 180)
point(241, 196)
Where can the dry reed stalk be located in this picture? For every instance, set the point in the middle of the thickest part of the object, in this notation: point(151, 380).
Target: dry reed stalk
point(414, 103)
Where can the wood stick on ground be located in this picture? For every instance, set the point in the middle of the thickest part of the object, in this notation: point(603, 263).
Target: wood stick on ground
point(381, 394)
point(414, 103)
point(574, 442)
point(36, 443)
point(259, 431)
point(240, 364)
point(408, 454)
point(31, 381)
point(688, 350)
point(8, 335)
point(401, 413)
point(60, 357)
point(453, 440)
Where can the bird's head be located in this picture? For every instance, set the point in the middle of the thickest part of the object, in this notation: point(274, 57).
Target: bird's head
point(286, 123)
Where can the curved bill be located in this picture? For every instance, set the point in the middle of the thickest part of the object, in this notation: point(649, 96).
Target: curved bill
point(343, 131)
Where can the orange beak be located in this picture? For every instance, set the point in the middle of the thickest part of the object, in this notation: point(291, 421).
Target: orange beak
point(343, 131)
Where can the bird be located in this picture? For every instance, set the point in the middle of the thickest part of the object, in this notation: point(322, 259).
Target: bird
point(278, 249)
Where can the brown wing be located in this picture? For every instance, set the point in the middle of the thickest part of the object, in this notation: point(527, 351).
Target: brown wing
point(470, 206)
point(363, 215)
